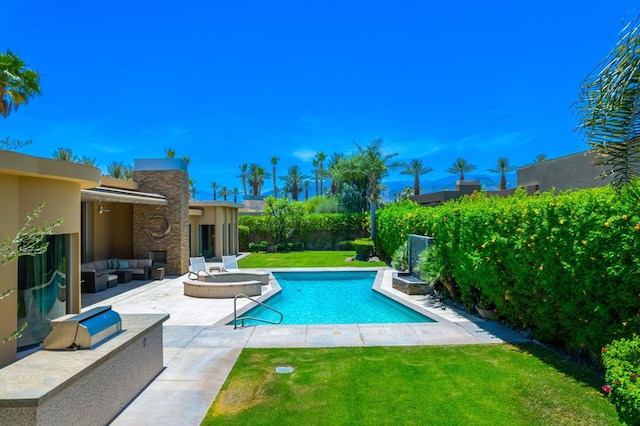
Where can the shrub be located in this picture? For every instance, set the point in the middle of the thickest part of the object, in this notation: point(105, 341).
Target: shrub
point(297, 246)
point(345, 245)
point(243, 237)
point(564, 267)
point(256, 247)
point(364, 248)
point(621, 360)
point(315, 231)
point(400, 258)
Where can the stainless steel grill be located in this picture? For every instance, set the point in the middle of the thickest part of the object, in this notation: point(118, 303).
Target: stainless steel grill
point(83, 331)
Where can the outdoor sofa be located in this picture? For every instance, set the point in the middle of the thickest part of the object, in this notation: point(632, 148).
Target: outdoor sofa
point(101, 274)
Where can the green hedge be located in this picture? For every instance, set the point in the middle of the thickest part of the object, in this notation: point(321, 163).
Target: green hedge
point(564, 267)
point(622, 363)
point(318, 230)
point(243, 237)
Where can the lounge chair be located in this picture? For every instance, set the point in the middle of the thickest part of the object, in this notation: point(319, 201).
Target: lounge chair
point(230, 264)
point(197, 266)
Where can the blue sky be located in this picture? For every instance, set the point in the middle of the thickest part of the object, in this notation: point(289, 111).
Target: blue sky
point(227, 83)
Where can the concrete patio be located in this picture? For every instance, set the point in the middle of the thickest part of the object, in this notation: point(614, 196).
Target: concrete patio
point(200, 351)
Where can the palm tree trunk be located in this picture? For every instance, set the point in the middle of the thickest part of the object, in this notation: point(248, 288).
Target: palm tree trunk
point(372, 216)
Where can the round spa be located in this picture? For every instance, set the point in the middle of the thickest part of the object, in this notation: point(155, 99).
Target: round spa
point(226, 285)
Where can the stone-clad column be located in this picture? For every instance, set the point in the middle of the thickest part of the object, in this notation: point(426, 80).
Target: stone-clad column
point(163, 228)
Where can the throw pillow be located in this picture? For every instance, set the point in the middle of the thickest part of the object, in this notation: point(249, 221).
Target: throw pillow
point(124, 264)
point(113, 263)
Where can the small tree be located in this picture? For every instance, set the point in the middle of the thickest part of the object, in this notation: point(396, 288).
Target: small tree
point(28, 241)
point(284, 218)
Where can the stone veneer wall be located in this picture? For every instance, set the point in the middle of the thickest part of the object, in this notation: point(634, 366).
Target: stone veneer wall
point(163, 228)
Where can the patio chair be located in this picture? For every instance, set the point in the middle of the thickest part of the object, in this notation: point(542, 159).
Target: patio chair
point(197, 266)
point(230, 264)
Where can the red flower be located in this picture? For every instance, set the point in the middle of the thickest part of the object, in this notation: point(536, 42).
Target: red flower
point(634, 376)
point(604, 350)
point(607, 388)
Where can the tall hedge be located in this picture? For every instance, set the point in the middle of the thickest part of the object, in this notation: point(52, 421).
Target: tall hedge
point(317, 230)
point(564, 267)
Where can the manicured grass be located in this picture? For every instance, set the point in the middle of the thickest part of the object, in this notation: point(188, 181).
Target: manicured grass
point(446, 385)
point(303, 259)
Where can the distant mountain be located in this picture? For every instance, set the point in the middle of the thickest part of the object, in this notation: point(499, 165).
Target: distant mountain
point(487, 182)
point(448, 183)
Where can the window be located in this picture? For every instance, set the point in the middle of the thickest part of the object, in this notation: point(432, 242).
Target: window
point(42, 289)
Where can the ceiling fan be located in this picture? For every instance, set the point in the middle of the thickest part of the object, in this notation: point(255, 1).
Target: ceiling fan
point(101, 209)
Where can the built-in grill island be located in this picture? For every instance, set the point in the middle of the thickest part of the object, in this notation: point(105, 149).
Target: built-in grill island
point(83, 331)
point(89, 386)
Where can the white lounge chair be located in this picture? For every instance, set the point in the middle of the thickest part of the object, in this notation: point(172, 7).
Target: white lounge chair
point(197, 266)
point(230, 264)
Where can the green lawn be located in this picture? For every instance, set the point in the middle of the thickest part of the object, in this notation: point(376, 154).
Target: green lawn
point(303, 259)
point(432, 385)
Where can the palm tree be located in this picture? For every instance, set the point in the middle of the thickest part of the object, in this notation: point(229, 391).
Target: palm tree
point(306, 184)
point(416, 169)
point(243, 176)
point(374, 165)
point(170, 152)
point(316, 174)
point(225, 192)
point(460, 167)
point(128, 172)
point(320, 157)
point(236, 191)
point(256, 178)
point(192, 188)
point(334, 161)
point(502, 167)
point(17, 83)
point(274, 162)
point(187, 159)
point(87, 161)
point(63, 154)
point(116, 170)
point(609, 109)
point(540, 158)
point(214, 186)
point(294, 179)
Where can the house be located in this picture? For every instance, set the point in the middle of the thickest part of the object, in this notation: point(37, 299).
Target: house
point(150, 217)
point(568, 172)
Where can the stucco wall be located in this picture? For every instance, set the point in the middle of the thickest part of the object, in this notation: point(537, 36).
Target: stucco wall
point(221, 216)
point(568, 172)
point(25, 182)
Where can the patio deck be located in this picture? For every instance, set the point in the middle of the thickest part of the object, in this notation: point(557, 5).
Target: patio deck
point(199, 352)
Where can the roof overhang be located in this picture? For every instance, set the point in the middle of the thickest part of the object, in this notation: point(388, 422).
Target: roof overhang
point(122, 196)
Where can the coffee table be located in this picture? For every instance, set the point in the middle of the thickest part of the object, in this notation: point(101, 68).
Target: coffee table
point(124, 276)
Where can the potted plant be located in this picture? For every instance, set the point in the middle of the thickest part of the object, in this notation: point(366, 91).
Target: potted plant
point(486, 309)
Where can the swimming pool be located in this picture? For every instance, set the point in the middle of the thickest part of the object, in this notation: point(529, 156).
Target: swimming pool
point(343, 297)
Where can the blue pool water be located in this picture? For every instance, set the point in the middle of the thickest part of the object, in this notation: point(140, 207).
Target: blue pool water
point(333, 298)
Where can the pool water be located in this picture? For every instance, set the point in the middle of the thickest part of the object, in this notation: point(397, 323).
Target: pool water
point(332, 298)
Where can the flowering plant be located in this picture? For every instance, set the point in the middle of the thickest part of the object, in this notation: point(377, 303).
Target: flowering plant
point(621, 359)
